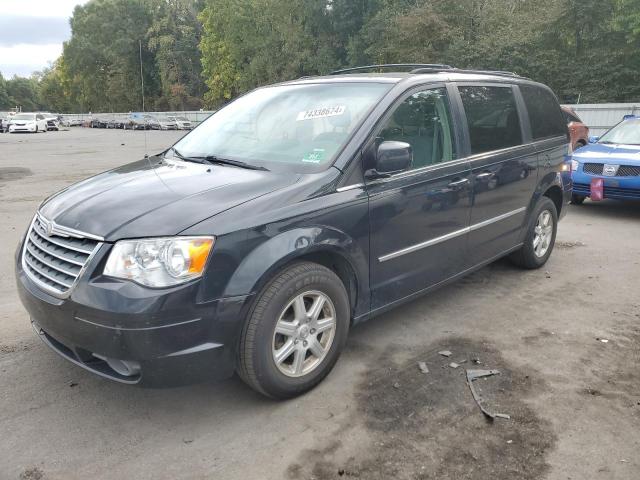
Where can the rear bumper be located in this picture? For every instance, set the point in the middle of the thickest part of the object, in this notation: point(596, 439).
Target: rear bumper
point(165, 338)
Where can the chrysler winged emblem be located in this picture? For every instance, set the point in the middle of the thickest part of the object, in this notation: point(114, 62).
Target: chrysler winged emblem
point(47, 226)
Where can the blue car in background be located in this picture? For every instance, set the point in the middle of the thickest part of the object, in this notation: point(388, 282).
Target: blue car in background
point(614, 158)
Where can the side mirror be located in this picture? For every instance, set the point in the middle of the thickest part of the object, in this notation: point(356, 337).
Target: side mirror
point(391, 157)
point(594, 139)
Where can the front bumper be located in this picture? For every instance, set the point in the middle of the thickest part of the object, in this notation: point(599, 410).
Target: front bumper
point(168, 337)
point(20, 128)
point(617, 188)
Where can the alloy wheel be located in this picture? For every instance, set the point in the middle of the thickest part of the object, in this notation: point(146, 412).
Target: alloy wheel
point(543, 233)
point(304, 333)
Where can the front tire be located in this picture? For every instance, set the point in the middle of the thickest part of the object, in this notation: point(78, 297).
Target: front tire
point(295, 332)
point(540, 237)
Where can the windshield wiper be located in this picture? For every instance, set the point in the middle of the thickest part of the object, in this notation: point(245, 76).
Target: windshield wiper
point(182, 157)
point(212, 160)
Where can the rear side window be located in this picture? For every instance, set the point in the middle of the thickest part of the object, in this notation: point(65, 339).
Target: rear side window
point(545, 115)
point(492, 118)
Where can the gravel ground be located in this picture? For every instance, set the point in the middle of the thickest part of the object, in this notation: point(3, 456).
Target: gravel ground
point(573, 399)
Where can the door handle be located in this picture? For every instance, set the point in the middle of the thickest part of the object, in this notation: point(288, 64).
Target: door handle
point(459, 183)
point(484, 176)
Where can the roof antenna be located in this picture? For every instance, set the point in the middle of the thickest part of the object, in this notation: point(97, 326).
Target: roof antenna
point(146, 155)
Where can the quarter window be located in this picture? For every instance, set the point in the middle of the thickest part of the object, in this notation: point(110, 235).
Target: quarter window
point(545, 115)
point(423, 120)
point(492, 118)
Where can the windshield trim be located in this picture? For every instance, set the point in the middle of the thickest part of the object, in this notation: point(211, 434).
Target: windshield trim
point(309, 168)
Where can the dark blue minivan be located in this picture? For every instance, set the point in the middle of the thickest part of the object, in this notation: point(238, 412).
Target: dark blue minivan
point(296, 211)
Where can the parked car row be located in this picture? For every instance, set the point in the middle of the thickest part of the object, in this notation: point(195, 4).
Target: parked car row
point(141, 121)
point(27, 122)
point(43, 121)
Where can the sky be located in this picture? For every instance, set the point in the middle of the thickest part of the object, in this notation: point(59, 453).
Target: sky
point(31, 33)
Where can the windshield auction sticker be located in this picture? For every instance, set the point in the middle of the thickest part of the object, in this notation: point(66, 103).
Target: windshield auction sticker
point(322, 112)
point(314, 157)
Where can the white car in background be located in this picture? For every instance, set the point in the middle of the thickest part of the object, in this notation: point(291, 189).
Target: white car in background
point(182, 122)
point(28, 122)
point(52, 123)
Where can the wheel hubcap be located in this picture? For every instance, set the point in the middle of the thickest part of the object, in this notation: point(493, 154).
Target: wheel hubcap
point(304, 333)
point(543, 233)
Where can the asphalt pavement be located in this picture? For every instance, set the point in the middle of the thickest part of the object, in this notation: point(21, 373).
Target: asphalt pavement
point(566, 340)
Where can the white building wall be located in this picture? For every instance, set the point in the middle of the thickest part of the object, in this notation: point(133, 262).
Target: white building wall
point(602, 116)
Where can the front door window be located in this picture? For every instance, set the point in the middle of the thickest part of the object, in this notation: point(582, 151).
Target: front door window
point(423, 120)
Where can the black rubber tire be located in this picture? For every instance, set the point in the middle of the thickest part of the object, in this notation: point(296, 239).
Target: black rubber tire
point(255, 360)
point(525, 257)
point(577, 199)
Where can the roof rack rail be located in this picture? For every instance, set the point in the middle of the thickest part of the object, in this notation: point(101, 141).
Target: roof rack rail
point(500, 73)
point(413, 66)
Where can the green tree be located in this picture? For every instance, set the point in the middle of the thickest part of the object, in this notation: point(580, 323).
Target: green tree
point(103, 54)
point(173, 37)
point(247, 43)
point(23, 92)
point(53, 89)
point(4, 96)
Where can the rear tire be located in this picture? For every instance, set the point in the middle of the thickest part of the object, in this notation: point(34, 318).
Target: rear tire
point(296, 331)
point(577, 199)
point(540, 237)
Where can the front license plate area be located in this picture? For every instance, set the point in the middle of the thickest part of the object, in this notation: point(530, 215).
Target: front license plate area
point(597, 189)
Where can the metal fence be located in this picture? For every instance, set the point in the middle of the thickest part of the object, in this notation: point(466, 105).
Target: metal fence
point(195, 116)
point(602, 116)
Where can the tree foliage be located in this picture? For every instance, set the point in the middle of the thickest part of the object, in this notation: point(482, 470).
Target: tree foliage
point(22, 92)
point(584, 49)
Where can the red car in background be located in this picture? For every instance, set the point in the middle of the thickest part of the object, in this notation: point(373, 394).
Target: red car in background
point(579, 131)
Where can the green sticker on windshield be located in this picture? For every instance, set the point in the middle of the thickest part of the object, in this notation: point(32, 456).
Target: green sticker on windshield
point(314, 157)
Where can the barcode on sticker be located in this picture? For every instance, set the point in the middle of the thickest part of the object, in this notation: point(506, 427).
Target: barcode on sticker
point(321, 112)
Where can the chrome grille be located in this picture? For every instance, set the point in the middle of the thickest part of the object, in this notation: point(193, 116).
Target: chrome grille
point(593, 168)
point(54, 257)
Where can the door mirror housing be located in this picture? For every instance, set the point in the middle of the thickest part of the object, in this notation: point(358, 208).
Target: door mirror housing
point(594, 139)
point(391, 157)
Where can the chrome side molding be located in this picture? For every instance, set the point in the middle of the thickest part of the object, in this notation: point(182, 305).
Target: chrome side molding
point(449, 236)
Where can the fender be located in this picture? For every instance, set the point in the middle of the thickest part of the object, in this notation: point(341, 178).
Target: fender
point(551, 179)
point(272, 255)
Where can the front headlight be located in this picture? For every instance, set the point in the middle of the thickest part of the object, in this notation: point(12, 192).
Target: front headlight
point(159, 262)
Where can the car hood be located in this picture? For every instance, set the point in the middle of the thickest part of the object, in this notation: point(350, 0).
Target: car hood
point(609, 153)
point(157, 197)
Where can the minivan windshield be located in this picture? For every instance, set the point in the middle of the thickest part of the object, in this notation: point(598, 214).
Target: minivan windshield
point(24, 116)
point(296, 128)
point(626, 133)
